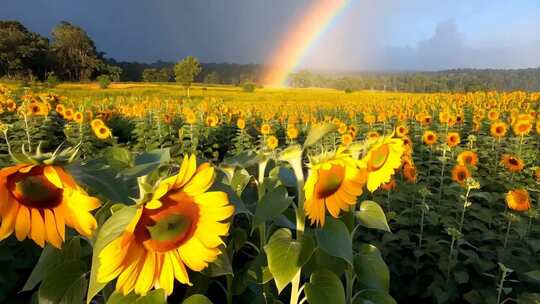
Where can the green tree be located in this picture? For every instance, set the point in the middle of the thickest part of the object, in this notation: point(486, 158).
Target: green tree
point(186, 70)
point(75, 52)
point(22, 53)
point(213, 78)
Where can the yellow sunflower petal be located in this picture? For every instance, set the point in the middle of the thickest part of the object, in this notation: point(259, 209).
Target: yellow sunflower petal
point(8, 220)
point(200, 182)
point(52, 176)
point(180, 272)
point(50, 230)
point(145, 281)
point(166, 277)
point(37, 231)
point(22, 223)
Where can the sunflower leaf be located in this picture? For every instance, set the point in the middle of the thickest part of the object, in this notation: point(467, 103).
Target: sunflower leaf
point(66, 284)
point(371, 215)
point(197, 299)
point(317, 132)
point(273, 204)
point(324, 287)
point(334, 238)
point(371, 269)
point(373, 296)
point(287, 256)
point(110, 230)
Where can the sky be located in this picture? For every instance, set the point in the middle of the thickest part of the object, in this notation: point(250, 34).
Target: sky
point(389, 35)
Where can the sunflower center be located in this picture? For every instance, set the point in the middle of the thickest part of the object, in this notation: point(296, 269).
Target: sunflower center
point(329, 181)
point(170, 226)
point(461, 175)
point(378, 158)
point(34, 190)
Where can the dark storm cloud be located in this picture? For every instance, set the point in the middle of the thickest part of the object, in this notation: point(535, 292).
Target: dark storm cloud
point(368, 35)
point(237, 31)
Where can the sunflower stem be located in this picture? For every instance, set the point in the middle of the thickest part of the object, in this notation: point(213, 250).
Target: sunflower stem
point(442, 173)
point(349, 284)
point(464, 208)
point(507, 234)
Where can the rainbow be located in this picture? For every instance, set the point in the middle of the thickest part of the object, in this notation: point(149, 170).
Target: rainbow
point(296, 44)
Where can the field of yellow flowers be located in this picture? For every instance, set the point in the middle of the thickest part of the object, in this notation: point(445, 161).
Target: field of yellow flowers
point(136, 194)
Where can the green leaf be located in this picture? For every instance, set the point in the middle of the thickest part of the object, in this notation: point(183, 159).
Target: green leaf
point(244, 159)
point(147, 162)
point(533, 275)
point(529, 298)
point(102, 180)
point(197, 299)
point(317, 132)
point(49, 259)
point(371, 296)
point(117, 157)
point(66, 284)
point(153, 297)
point(372, 216)
point(334, 238)
point(273, 203)
point(112, 229)
point(371, 269)
point(221, 266)
point(324, 287)
point(239, 206)
point(286, 256)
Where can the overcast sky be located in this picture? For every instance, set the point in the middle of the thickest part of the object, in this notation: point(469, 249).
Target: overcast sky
point(367, 35)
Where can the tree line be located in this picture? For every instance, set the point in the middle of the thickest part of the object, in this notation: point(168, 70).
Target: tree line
point(71, 55)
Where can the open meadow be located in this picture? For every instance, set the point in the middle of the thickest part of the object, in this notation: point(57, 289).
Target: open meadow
point(136, 193)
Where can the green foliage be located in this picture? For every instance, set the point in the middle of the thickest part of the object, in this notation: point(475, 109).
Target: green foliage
point(104, 81)
point(248, 87)
point(186, 70)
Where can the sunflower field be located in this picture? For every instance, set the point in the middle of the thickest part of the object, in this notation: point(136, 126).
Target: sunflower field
point(286, 196)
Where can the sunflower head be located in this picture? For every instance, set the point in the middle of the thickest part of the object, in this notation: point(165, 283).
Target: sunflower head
point(381, 161)
point(180, 227)
point(498, 129)
point(460, 174)
point(453, 139)
point(512, 163)
point(522, 127)
point(518, 200)
point(334, 182)
point(40, 201)
point(429, 138)
point(467, 158)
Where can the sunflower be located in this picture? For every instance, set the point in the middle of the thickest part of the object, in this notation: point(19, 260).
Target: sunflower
point(453, 139)
point(241, 124)
point(537, 174)
point(191, 118)
point(68, 114)
point(266, 129)
point(381, 161)
point(102, 132)
point(538, 127)
point(409, 170)
point(391, 185)
point(180, 226)
point(518, 200)
point(402, 131)
point(212, 120)
point(334, 182)
point(460, 174)
point(429, 138)
point(60, 109)
point(78, 117)
point(522, 127)
point(342, 128)
point(498, 129)
point(467, 158)
point(493, 115)
point(292, 132)
point(40, 200)
point(96, 123)
point(346, 139)
point(272, 142)
point(372, 135)
point(512, 163)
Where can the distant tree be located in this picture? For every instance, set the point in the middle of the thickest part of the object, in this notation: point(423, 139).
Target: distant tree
point(186, 70)
point(212, 77)
point(22, 53)
point(248, 87)
point(75, 52)
point(104, 81)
